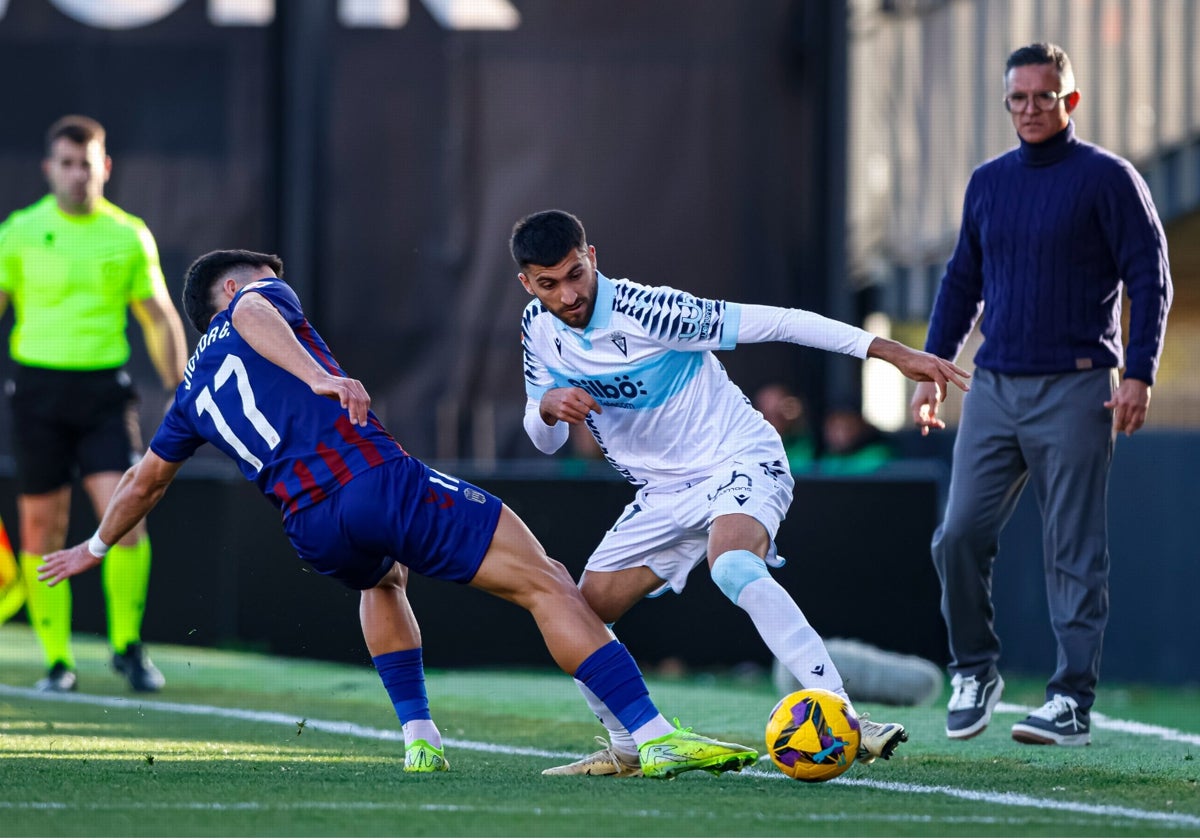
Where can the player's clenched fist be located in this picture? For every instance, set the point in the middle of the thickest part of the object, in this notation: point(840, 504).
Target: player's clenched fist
point(571, 405)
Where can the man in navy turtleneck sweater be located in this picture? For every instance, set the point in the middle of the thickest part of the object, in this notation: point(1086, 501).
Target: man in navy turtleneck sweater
point(1051, 232)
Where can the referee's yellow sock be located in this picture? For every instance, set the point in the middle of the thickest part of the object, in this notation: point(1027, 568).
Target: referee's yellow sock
point(125, 574)
point(49, 611)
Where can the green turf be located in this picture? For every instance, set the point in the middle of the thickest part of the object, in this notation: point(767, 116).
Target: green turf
point(130, 767)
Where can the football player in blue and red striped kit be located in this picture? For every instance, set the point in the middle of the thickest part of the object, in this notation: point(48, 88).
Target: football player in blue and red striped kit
point(263, 387)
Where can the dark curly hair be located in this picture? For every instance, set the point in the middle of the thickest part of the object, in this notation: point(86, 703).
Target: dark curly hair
point(207, 271)
point(545, 238)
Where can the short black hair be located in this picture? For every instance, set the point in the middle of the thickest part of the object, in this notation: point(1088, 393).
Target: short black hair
point(76, 128)
point(207, 271)
point(546, 238)
point(1043, 53)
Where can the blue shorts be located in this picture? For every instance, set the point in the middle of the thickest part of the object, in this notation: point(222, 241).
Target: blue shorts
point(399, 512)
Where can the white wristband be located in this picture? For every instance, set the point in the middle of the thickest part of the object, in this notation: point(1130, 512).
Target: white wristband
point(97, 546)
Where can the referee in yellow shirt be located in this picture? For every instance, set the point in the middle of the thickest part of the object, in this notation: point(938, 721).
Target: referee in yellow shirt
point(73, 264)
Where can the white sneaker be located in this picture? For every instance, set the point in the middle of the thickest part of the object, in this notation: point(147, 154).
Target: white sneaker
point(971, 704)
point(1058, 721)
point(878, 740)
point(603, 762)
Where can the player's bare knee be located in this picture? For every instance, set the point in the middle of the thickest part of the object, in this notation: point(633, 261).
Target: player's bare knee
point(736, 531)
point(548, 580)
point(43, 538)
point(597, 603)
point(602, 602)
point(608, 613)
point(552, 575)
point(612, 594)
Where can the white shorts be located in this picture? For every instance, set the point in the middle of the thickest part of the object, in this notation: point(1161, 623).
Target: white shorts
point(667, 530)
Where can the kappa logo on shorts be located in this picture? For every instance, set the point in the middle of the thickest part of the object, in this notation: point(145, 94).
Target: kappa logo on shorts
point(739, 485)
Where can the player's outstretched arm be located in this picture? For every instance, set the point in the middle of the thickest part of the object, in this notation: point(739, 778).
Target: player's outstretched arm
point(136, 495)
point(918, 365)
point(260, 324)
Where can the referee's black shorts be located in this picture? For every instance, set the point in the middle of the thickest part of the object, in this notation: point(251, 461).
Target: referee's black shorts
point(70, 424)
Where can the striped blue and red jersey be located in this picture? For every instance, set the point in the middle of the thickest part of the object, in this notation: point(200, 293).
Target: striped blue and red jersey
point(298, 447)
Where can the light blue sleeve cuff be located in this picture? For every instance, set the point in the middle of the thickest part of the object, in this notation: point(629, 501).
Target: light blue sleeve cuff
point(733, 322)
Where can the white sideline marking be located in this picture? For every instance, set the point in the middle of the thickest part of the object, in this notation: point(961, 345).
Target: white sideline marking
point(1022, 801)
point(455, 807)
point(352, 729)
point(336, 727)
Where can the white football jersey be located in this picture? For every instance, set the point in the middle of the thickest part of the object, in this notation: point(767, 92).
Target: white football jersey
point(670, 414)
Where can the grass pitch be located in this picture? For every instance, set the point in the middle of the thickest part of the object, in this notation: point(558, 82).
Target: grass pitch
point(248, 745)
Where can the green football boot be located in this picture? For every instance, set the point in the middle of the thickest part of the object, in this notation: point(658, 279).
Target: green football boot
point(683, 750)
point(422, 757)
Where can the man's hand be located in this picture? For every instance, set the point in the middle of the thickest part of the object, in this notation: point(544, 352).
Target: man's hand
point(571, 405)
point(924, 405)
point(919, 365)
point(1129, 406)
point(349, 392)
point(67, 563)
point(258, 321)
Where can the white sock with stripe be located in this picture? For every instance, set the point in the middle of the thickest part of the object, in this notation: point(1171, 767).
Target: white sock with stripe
point(743, 577)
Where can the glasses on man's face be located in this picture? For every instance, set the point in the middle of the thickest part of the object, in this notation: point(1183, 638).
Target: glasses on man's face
point(1015, 103)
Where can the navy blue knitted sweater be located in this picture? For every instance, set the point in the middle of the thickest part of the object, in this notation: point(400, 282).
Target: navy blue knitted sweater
point(1049, 233)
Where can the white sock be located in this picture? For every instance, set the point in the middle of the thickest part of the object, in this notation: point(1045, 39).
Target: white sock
point(652, 729)
point(622, 742)
point(422, 730)
point(795, 643)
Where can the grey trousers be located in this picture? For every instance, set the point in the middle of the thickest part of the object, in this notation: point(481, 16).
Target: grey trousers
point(1054, 433)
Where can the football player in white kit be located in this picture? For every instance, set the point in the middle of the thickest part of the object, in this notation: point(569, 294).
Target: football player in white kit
point(635, 364)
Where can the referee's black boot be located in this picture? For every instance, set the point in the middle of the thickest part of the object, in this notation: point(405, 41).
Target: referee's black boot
point(58, 678)
point(136, 667)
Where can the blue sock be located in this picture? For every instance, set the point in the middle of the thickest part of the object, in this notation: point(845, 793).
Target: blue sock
point(611, 674)
point(403, 676)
